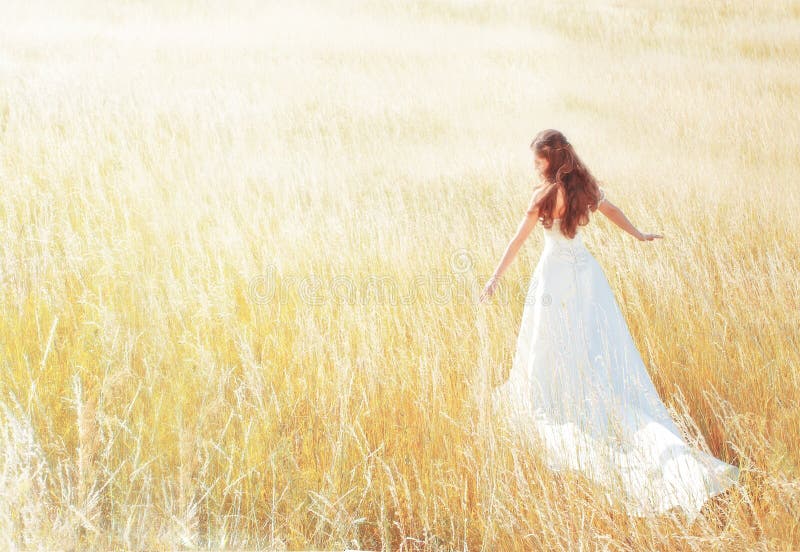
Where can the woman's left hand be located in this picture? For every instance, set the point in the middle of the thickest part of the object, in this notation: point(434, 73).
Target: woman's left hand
point(488, 289)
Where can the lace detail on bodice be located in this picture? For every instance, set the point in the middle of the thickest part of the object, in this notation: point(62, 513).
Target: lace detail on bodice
point(572, 250)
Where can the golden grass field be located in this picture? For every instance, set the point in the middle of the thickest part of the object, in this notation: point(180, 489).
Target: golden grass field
point(209, 212)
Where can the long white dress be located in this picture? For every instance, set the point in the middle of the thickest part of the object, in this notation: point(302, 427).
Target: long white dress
point(578, 385)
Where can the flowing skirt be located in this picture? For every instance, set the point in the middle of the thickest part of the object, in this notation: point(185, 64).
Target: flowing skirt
point(580, 388)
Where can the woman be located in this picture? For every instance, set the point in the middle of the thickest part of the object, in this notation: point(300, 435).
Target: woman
point(578, 384)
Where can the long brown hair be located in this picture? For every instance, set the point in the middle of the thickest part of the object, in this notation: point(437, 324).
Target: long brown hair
point(566, 171)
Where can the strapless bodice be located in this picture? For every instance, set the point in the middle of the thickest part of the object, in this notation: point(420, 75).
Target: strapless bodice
point(554, 233)
point(572, 250)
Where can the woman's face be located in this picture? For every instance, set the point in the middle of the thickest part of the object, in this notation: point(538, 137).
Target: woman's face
point(540, 163)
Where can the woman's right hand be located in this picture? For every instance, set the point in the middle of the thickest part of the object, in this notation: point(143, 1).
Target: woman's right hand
point(648, 237)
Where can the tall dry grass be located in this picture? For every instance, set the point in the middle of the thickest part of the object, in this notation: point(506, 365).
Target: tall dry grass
point(207, 214)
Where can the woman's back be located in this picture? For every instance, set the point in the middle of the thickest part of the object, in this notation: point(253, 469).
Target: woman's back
point(561, 205)
point(559, 210)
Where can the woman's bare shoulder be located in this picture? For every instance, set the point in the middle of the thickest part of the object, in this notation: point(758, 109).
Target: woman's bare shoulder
point(539, 189)
point(604, 205)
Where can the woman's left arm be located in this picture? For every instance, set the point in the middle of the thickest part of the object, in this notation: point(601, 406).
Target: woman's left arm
point(523, 231)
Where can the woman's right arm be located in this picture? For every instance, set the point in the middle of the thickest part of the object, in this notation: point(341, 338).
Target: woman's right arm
point(618, 217)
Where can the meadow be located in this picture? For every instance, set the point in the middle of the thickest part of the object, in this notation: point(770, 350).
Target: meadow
point(243, 243)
